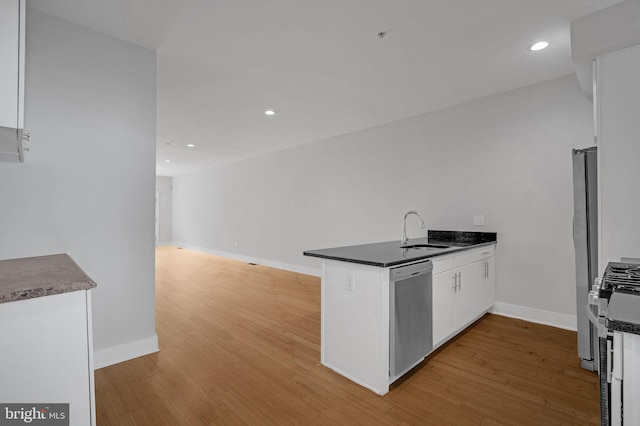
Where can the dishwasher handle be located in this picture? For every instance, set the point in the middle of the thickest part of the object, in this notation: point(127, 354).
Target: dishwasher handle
point(413, 270)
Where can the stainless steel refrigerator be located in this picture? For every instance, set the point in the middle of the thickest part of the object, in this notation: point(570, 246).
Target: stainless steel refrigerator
point(585, 239)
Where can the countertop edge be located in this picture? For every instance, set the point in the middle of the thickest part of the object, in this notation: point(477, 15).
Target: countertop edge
point(45, 291)
point(40, 276)
point(623, 326)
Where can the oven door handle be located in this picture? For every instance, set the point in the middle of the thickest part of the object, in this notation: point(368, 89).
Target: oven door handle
point(593, 318)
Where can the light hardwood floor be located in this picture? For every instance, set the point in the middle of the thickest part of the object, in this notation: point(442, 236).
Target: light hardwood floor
point(240, 344)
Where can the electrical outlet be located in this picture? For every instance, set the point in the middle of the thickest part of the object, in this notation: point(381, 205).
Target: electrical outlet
point(350, 282)
point(478, 220)
point(235, 244)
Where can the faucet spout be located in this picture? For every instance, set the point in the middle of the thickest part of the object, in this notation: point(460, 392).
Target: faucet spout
point(404, 226)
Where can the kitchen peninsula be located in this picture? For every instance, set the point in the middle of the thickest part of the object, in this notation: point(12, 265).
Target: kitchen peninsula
point(368, 316)
point(45, 327)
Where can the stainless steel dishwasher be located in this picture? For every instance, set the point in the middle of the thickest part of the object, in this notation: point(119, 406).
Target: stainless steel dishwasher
point(410, 311)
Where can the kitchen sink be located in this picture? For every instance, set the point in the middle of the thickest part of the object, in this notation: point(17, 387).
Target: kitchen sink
point(424, 246)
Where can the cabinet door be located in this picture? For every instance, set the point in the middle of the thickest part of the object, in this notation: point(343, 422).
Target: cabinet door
point(489, 283)
point(470, 294)
point(443, 305)
point(48, 359)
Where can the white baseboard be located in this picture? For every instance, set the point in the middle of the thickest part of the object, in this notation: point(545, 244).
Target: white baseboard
point(125, 352)
point(567, 322)
point(266, 262)
point(161, 243)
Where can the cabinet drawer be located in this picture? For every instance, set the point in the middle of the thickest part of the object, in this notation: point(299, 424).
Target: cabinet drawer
point(482, 253)
point(442, 263)
point(459, 259)
point(462, 258)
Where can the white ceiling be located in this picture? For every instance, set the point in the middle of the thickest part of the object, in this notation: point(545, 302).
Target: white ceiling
point(320, 64)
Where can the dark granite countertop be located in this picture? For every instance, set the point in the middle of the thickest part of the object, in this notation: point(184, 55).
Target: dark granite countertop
point(32, 277)
point(391, 254)
point(623, 313)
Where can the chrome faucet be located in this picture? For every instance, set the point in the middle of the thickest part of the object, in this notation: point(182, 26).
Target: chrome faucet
point(405, 240)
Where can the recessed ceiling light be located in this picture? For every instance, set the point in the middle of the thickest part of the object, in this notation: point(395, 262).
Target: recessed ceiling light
point(167, 161)
point(190, 145)
point(269, 112)
point(538, 46)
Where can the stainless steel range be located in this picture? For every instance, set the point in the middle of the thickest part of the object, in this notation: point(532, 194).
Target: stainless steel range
point(616, 298)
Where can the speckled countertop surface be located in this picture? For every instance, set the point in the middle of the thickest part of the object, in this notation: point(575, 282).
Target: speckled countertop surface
point(31, 277)
point(390, 253)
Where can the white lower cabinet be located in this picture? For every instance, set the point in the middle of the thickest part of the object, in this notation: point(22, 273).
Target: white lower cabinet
point(443, 305)
point(355, 311)
point(469, 295)
point(463, 290)
point(489, 282)
point(485, 262)
point(47, 354)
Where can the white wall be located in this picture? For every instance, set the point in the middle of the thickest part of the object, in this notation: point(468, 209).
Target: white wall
point(507, 157)
point(87, 187)
point(619, 154)
point(163, 186)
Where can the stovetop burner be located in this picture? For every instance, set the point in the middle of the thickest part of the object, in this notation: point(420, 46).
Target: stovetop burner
point(622, 276)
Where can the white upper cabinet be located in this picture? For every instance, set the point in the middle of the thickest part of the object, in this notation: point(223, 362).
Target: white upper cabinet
point(12, 33)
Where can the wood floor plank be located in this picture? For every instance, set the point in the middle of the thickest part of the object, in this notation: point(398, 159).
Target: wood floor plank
point(240, 345)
